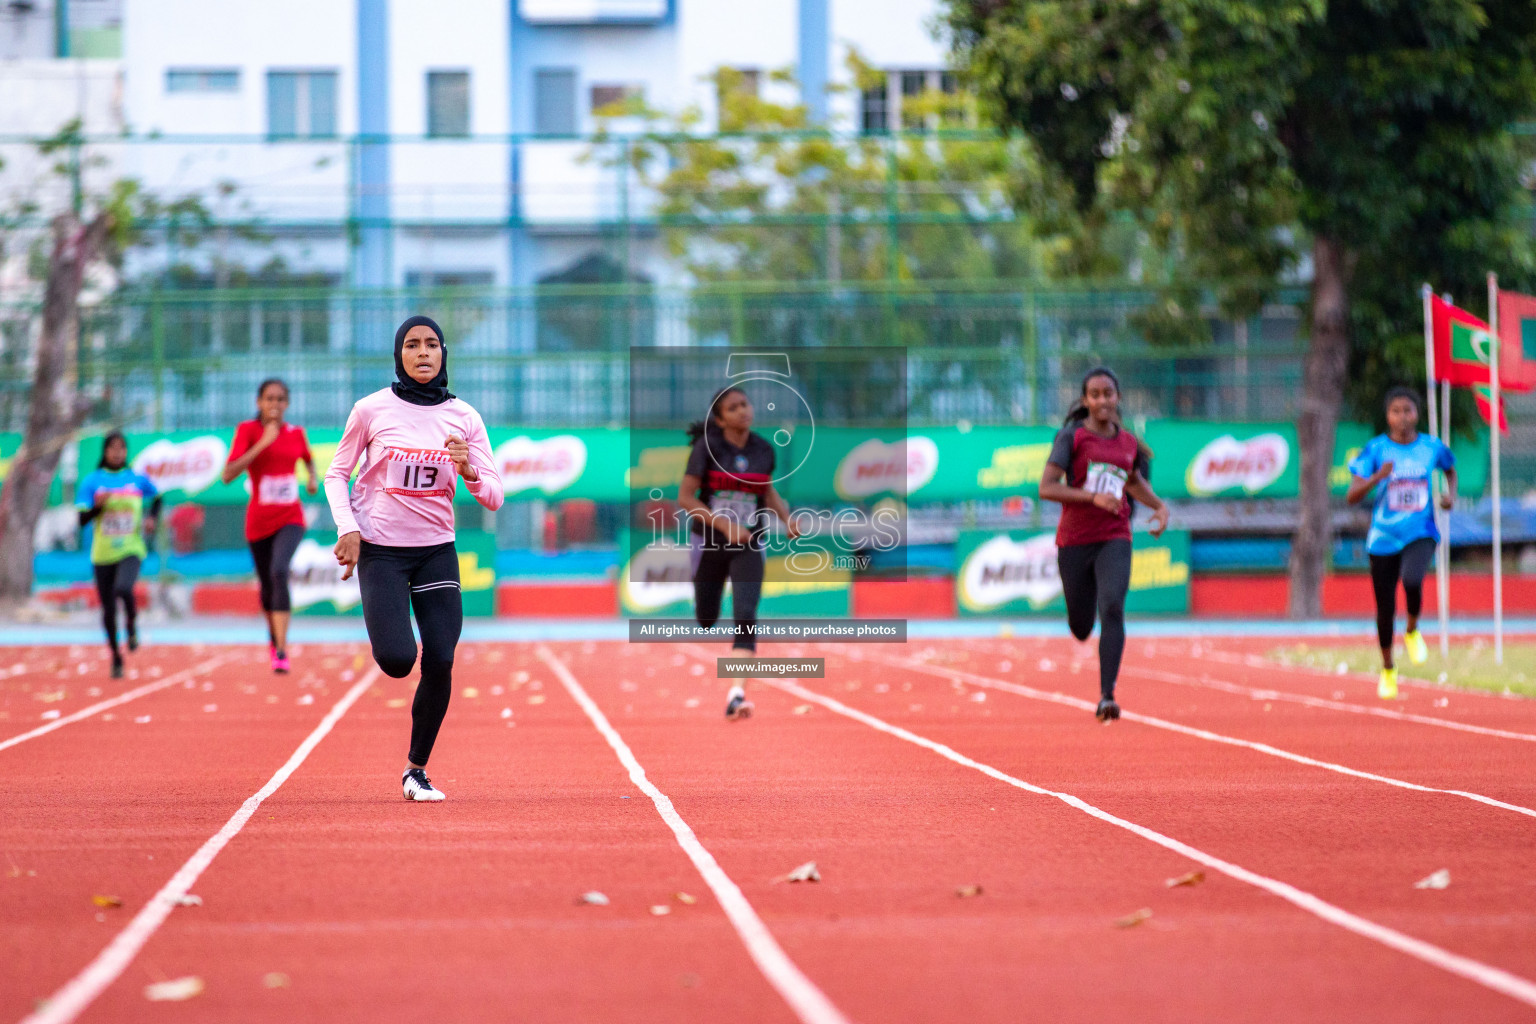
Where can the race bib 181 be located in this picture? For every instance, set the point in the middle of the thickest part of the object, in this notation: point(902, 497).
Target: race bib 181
point(278, 490)
point(118, 522)
point(741, 506)
point(1105, 478)
point(418, 472)
point(1411, 495)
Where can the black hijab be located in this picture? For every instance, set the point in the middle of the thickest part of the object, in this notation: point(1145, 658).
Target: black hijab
point(406, 387)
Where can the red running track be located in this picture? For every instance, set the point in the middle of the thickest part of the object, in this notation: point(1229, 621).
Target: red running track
point(373, 908)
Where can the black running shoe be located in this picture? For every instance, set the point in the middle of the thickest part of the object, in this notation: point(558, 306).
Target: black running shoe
point(739, 707)
point(117, 668)
point(1107, 711)
point(133, 639)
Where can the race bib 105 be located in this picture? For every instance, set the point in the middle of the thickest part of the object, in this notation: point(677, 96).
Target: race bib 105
point(1105, 478)
point(739, 505)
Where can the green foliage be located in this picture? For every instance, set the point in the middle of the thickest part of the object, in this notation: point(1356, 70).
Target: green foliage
point(771, 199)
point(1236, 131)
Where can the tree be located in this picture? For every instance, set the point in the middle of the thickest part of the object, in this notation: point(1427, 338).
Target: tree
point(1362, 143)
point(91, 230)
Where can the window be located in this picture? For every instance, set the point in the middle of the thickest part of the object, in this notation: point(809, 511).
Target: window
point(874, 110)
point(202, 80)
point(554, 101)
point(447, 104)
point(913, 85)
point(301, 104)
point(896, 100)
point(606, 96)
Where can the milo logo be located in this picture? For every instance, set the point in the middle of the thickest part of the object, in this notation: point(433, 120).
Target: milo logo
point(1003, 570)
point(1226, 463)
point(550, 465)
point(875, 467)
point(658, 576)
point(186, 466)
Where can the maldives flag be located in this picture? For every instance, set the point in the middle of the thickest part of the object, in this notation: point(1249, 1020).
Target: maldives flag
point(1517, 341)
point(1463, 345)
point(1484, 395)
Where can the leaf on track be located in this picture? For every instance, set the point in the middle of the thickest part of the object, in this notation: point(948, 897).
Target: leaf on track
point(967, 891)
point(685, 899)
point(275, 979)
point(803, 709)
point(804, 873)
point(189, 900)
point(594, 898)
point(1439, 880)
point(1193, 878)
point(175, 990)
point(660, 910)
point(537, 698)
point(1133, 919)
point(107, 901)
point(396, 702)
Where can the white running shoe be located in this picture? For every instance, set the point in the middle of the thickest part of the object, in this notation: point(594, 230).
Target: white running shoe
point(738, 706)
point(418, 787)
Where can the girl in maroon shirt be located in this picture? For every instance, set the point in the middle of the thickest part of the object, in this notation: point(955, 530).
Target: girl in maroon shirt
point(269, 450)
point(1095, 467)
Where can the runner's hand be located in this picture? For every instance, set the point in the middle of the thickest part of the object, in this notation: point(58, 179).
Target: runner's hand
point(791, 528)
point(458, 450)
point(1108, 502)
point(347, 548)
point(1447, 501)
point(313, 486)
point(150, 522)
point(100, 500)
point(269, 431)
point(1159, 522)
point(1385, 471)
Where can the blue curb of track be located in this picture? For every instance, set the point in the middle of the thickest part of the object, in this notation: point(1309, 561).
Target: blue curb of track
point(350, 630)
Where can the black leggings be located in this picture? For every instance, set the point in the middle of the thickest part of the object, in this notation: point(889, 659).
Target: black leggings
point(114, 583)
point(273, 557)
point(394, 581)
point(712, 565)
point(1096, 578)
point(1409, 565)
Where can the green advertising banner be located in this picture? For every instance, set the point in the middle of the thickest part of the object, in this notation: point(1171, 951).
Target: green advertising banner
point(656, 579)
point(318, 589)
point(1262, 460)
point(823, 465)
point(1014, 573)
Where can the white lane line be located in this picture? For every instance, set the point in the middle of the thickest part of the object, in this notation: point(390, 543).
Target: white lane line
point(122, 698)
point(807, 1001)
point(1255, 661)
point(1491, 977)
point(1188, 730)
point(80, 991)
point(1260, 693)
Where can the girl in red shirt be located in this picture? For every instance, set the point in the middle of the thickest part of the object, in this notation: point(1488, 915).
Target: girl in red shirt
point(1094, 465)
point(269, 450)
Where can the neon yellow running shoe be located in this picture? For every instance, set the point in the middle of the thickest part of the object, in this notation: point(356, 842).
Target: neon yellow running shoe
point(1386, 687)
point(1418, 650)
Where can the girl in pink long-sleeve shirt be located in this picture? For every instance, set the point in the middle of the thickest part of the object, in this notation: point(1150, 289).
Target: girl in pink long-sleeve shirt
point(415, 441)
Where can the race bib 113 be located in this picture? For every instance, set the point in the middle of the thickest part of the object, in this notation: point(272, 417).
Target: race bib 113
point(418, 472)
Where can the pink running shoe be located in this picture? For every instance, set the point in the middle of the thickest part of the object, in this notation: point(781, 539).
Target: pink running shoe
point(280, 662)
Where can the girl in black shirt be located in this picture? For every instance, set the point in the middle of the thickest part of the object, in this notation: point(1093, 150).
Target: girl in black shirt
point(726, 493)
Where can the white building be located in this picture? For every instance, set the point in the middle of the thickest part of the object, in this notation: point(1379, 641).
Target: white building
point(485, 178)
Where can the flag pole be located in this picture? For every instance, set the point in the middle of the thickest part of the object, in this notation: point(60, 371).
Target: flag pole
point(1443, 559)
point(1498, 539)
point(1427, 293)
